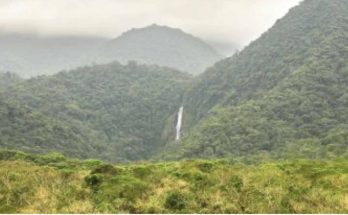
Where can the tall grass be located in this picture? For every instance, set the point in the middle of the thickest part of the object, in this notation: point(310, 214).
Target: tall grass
point(301, 186)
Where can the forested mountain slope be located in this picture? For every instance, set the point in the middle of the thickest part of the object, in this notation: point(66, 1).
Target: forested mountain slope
point(284, 93)
point(112, 111)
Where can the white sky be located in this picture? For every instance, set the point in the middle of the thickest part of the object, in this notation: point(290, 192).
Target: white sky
point(225, 21)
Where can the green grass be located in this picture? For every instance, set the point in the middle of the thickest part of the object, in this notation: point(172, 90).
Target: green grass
point(54, 184)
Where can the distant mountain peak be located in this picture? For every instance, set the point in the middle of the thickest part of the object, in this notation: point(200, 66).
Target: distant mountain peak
point(161, 45)
point(31, 55)
point(161, 30)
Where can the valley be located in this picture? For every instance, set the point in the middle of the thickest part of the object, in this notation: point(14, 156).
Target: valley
point(158, 121)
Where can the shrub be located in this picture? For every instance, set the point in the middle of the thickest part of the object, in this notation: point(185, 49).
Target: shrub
point(205, 167)
point(175, 201)
point(127, 187)
point(142, 172)
point(53, 157)
point(236, 182)
point(106, 169)
point(12, 155)
point(94, 180)
point(92, 163)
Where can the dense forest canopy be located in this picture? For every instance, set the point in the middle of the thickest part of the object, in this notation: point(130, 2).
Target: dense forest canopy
point(284, 94)
point(110, 111)
point(264, 131)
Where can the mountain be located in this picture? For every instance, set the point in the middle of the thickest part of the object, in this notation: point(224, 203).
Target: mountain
point(284, 95)
point(31, 55)
point(114, 112)
point(160, 45)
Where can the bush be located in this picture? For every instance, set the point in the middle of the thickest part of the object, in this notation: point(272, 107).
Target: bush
point(175, 201)
point(94, 180)
point(106, 169)
point(127, 187)
point(142, 172)
point(205, 167)
point(12, 155)
point(53, 157)
point(236, 182)
point(92, 163)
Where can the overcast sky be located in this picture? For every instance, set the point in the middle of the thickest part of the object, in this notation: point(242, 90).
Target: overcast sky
point(225, 21)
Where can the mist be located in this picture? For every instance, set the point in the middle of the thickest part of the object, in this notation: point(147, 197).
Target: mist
point(216, 21)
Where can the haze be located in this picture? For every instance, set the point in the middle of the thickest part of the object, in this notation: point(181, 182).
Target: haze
point(233, 22)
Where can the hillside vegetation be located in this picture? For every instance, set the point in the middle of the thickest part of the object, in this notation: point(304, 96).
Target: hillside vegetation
point(285, 94)
point(53, 184)
point(112, 111)
point(264, 131)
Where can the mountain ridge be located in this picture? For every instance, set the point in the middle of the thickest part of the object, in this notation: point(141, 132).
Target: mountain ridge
point(257, 100)
point(29, 55)
point(113, 112)
point(287, 90)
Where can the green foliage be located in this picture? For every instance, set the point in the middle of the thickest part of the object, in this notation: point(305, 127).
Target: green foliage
point(112, 112)
point(282, 99)
point(94, 180)
point(142, 171)
point(28, 188)
point(196, 186)
point(282, 96)
point(106, 169)
point(92, 163)
point(53, 157)
point(175, 201)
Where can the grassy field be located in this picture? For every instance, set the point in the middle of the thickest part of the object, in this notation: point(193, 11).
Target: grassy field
point(53, 184)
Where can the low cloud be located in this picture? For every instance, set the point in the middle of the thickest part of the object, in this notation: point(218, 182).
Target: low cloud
point(227, 21)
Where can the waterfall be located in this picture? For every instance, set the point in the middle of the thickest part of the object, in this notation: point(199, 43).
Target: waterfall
point(179, 123)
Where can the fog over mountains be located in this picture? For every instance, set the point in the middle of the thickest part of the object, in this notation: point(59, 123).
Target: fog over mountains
point(30, 55)
point(158, 121)
point(160, 45)
point(286, 90)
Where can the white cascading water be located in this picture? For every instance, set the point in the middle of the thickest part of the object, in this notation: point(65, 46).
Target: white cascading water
point(179, 123)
